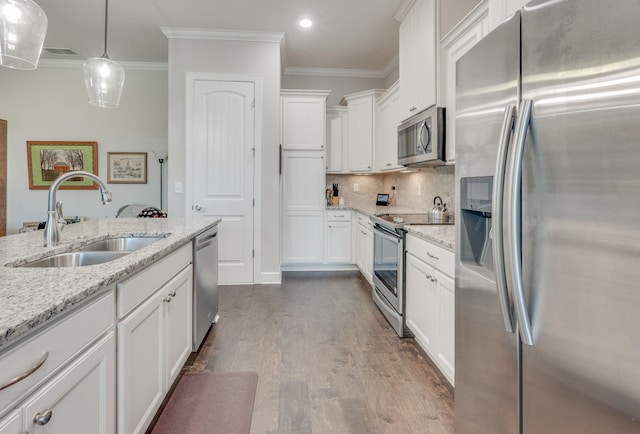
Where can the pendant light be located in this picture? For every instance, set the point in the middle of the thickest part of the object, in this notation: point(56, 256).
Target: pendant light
point(23, 26)
point(103, 77)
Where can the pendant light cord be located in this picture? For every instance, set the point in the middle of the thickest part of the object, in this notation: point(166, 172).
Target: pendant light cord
point(106, 21)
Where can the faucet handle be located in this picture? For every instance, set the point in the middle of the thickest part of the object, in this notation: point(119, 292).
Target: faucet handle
point(60, 215)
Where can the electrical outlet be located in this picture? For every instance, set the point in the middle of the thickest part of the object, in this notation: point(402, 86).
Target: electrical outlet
point(177, 187)
point(356, 187)
point(419, 190)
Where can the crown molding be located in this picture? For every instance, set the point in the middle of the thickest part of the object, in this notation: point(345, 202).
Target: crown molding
point(222, 35)
point(334, 72)
point(79, 63)
point(403, 10)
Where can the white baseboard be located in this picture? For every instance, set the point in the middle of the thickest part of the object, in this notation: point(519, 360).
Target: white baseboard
point(271, 278)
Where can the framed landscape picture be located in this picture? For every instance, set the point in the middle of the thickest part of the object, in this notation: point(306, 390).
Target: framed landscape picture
point(48, 160)
point(127, 167)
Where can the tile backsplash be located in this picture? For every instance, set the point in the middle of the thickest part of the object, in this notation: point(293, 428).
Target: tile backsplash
point(414, 190)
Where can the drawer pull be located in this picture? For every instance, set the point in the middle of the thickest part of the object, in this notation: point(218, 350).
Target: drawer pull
point(43, 418)
point(432, 256)
point(173, 294)
point(167, 298)
point(339, 216)
point(27, 373)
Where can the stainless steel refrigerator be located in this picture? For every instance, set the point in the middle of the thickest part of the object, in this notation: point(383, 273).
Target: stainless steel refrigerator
point(548, 233)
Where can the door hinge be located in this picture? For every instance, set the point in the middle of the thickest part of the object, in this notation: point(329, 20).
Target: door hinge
point(253, 104)
point(254, 203)
point(253, 253)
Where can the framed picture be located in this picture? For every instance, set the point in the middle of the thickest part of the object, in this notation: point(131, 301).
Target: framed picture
point(48, 160)
point(127, 167)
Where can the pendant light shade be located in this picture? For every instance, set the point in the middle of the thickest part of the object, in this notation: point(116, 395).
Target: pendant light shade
point(103, 77)
point(23, 26)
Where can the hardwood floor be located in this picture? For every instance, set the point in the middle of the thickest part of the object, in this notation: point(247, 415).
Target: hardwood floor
point(327, 360)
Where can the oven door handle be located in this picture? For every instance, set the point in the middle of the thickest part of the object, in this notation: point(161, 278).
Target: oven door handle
point(396, 238)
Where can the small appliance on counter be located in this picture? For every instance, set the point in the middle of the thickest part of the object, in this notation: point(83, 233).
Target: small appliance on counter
point(382, 199)
point(439, 213)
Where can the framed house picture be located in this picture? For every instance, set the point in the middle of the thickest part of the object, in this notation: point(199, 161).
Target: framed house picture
point(47, 160)
point(127, 167)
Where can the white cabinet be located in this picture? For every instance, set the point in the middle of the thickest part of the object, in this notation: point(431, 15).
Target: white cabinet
point(386, 155)
point(500, 10)
point(454, 45)
point(11, 424)
point(364, 247)
point(303, 203)
point(361, 129)
point(338, 245)
point(336, 150)
point(80, 399)
point(53, 363)
point(154, 338)
point(430, 301)
point(303, 119)
point(418, 58)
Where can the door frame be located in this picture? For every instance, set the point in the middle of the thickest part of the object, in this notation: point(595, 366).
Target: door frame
point(256, 79)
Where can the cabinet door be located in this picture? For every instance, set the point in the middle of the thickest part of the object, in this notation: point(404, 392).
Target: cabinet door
point(446, 315)
point(336, 132)
point(179, 324)
point(303, 181)
point(11, 424)
point(418, 60)
point(388, 120)
point(422, 302)
point(360, 134)
point(368, 254)
point(360, 248)
point(338, 242)
point(454, 46)
point(302, 237)
point(79, 400)
point(141, 365)
point(303, 122)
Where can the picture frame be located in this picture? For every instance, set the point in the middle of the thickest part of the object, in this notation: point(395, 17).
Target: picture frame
point(127, 167)
point(47, 160)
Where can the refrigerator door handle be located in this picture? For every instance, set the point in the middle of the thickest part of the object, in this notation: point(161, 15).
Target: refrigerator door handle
point(513, 187)
point(496, 216)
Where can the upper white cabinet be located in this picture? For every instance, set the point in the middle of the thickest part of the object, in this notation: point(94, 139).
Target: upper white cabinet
point(418, 58)
point(500, 10)
point(303, 119)
point(386, 152)
point(361, 129)
point(454, 45)
point(336, 150)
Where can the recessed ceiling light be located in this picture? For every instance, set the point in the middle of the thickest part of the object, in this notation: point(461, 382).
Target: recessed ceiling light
point(306, 23)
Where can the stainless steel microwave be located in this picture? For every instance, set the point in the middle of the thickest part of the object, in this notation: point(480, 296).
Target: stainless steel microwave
point(421, 139)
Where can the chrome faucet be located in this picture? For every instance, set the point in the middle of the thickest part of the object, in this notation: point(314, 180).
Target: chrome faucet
point(55, 216)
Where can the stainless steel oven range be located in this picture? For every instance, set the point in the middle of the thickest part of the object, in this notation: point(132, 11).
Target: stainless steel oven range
point(388, 265)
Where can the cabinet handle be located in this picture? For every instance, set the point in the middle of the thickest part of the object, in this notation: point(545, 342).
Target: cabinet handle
point(428, 276)
point(388, 164)
point(329, 226)
point(27, 373)
point(43, 418)
point(412, 109)
point(167, 298)
point(432, 256)
point(368, 167)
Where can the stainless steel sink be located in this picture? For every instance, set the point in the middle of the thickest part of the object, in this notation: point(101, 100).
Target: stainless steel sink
point(76, 259)
point(118, 244)
point(97, 252)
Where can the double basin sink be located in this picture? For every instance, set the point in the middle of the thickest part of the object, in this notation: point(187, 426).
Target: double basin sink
point(94, 253)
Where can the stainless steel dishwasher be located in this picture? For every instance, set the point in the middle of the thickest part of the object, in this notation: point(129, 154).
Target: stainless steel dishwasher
point(205, 284)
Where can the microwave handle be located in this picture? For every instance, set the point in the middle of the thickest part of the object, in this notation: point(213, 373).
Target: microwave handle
point(424, 139)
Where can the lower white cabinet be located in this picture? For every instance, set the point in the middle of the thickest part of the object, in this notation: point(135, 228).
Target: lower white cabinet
point(338, 246)
point(80, 399)
point(430, 301)
point(364, 247)
point(302, 238)
point(12, 423)
point(154, 341)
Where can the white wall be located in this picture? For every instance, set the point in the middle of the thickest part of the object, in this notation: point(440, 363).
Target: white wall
point(339, 86)
point(233, 57)
point(50, 103)
point(451, 12)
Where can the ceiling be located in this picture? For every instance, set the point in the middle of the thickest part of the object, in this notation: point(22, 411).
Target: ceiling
point(347, 34)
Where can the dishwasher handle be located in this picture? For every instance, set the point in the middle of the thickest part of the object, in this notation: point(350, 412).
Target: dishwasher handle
point(205, 241)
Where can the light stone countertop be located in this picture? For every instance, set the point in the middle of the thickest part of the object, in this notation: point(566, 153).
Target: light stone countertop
point(442, 235)
point(31, 296)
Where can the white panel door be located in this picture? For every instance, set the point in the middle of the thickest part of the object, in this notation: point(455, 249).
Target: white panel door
point(303, 122)
point(360, 134)
point(303, 181)
point(223, 143)
point(11, 424)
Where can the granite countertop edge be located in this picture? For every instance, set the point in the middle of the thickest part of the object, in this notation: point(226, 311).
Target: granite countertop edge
point(31, 297)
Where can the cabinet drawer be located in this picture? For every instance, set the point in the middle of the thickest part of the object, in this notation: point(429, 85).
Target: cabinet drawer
point(134, 290)
point(364, 220)
point(339, 216)
point(59, 342)
point(440, 258)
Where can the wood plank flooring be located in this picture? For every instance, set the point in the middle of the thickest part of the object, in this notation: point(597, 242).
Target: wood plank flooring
point(327, 360)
